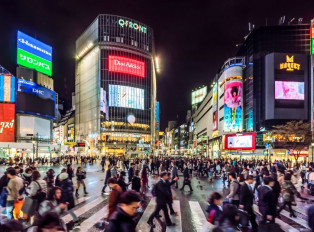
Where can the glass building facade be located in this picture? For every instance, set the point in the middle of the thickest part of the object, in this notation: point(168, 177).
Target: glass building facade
point(115, 85)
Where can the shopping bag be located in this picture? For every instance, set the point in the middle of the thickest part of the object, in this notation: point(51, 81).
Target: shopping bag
point(29, 206)
point(17, 213)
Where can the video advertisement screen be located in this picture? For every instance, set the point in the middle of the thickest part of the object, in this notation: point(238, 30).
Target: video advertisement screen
point(289, 90)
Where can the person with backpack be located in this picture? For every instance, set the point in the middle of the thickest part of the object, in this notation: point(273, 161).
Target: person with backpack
point(67, 195)
point(38, 187)
point(214, 210)
point(15, 185)
point(80, 176)
point(235, 188)
point(57, 180)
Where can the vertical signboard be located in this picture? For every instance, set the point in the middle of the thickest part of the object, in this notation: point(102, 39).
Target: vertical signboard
point(312, 39)
point(7, 122)
point(157, 116)
point(233, 106)
point(199, 95)
point(215, 98)
point(7, 88)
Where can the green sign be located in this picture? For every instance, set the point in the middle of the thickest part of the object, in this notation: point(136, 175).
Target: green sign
point(134, 26)
point(312, 46)
point(31, 61)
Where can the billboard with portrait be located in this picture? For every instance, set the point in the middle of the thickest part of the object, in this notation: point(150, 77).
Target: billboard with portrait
point(104, 103)
point(233, 106)
point(35, 99)
point(7, 122)
point(127, 97)
point(240, 141)
point(289, 90)
point(34, 54)
point(7, 88)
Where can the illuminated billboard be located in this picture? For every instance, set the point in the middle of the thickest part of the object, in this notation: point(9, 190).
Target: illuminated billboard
point(233, 106)
point(126, 65)
point(7, 122)
point(199, 95)
point(7, 88)
point(34, 54)
point(289, 90)
point(215, 121)
point(35, 99)
point(125, 96)
point(104, 103)
point(240, 141)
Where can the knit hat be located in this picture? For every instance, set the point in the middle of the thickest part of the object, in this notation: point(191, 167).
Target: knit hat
point(63, 176)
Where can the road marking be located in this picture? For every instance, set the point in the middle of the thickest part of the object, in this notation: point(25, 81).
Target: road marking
point(176, 219)
point(284, 226)
point(297, 220)
point(80, 200)
point(67, 218)
point(142, 224)
point(198, 217)
point(96, 217)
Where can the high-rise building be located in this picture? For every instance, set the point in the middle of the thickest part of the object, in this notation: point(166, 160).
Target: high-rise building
point(115, 86)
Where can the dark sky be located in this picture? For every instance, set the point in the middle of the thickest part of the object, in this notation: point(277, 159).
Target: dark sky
point(193, 38)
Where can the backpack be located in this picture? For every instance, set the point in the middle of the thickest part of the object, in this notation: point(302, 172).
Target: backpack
point(57, 181)
point(40, 196)
point(211, 216)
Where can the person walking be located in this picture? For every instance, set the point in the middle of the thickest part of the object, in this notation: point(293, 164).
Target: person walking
point(122, 218)
point(108, 175)
point(80, 176)
point(114, 196)
point(131, 172)
point(136, 181)
point(162, 198)
point(70, 171)
point(234, 189)
point(144, 180)
point(214, 210)
point(114, 171)
point(186, 178)
point(247, 200)
point(174, 172)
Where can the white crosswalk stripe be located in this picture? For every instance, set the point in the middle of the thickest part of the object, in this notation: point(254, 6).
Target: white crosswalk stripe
point(96, 217)
point(198, 216)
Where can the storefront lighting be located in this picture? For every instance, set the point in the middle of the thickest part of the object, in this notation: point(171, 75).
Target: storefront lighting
point(157, 64)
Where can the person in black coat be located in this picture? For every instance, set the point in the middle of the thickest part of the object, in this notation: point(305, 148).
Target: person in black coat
point(131, 172)
point(246, 200)
point(162, 198)
point(267, 202)
point(214, 211)
point(108, 175)
point(174, 180)
point(136, 181)
point(122, 218)
point(186, 178)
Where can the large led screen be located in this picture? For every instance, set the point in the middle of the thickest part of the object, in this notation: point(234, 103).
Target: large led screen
point(35, 99)
point(7, 88)
point(126, 65)
point(233, 106)
point(289, 90)
point(125, 96)
point(7, 122)
point(34, 54)
point(240, 141)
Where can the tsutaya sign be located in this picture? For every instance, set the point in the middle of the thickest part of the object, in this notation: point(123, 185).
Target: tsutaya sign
point(135, 26)
point(290, 65)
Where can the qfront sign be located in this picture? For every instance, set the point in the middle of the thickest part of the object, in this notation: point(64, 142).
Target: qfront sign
point(132, 25)
point(126, 65)
point(290, 65)
point(34, 54)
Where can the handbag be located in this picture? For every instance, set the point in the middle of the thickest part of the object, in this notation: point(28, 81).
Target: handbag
point(29, 206)
point(244, 218)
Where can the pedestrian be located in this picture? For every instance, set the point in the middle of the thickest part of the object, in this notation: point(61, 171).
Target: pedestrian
point(80, 176)
point(186, 178)
point(288, 192)
point(70, 171)
point(15, 185)
point(67, 196)
point(247, 200)
point(234, 189)
point(57, 180)
point(266, 200)
point(121, 181)
point(229, 219)
point(122, 218)
point(114, 171)
point(174, 180)
point(114, 196)
point(162, 198)
point(38, 185)
point(136, 181)
point(144, 180)
point(174, 172)
point(310, 213)
point(49, 178)
point(131, 172)
point(214, 209)
point(108, 175)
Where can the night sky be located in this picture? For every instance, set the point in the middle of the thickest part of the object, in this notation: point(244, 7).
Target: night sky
point(193, 38)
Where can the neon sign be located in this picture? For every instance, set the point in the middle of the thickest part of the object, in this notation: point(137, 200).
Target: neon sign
point(289, 65)
point(7, 88)
point(7, 122)
point(135, 26)
point(126, 65)
point(312, 40)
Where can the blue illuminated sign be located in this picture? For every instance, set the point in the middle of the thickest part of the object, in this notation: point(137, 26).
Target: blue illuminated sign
point(157, 116)
point(34, 46)
point(31, 87)
point(7, 88)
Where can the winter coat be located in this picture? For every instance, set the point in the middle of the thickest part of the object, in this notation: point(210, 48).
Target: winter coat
point(67, 190)
point(121, 222)
point(214, 213)
point(136, 183)
point(114, 199)
point(36, 186)
point(288, 191)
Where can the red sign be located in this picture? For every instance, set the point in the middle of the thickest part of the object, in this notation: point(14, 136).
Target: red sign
point(126, 65)
point(245, 141)
point(7, 122)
